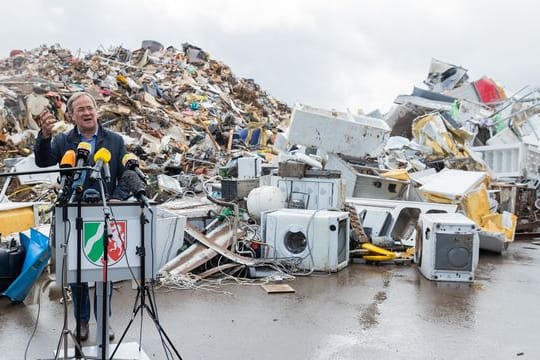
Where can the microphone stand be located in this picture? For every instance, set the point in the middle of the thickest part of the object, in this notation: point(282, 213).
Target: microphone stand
point(62, 201)
point(79, 227)
point(103, 343)
point(35, 172)
point(77, 195)
point(143, 291)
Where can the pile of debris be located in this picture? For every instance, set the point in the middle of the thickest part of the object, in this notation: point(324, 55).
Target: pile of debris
point(453, 165)
point(451, 169)
point(179, 108)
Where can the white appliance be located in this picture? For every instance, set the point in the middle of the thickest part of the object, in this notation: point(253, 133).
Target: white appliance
point(311, 193)
point(317, 239)
point(337, 132)
point(249, 167)
point(447, 248)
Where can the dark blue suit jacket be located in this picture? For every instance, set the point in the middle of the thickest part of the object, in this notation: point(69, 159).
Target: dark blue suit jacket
point(49, 152)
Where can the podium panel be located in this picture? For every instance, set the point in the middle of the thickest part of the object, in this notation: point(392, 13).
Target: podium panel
point(122, 249)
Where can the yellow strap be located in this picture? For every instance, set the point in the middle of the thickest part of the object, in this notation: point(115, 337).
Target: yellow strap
point(378, 257)
point(378, 250)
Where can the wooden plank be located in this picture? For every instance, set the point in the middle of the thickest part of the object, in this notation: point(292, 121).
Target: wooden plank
point(229, 140)
point(278, 288)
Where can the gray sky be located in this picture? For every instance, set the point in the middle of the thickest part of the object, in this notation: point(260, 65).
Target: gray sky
point(331, 54)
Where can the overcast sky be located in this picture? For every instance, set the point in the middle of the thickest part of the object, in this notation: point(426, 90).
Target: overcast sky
point(331, 54)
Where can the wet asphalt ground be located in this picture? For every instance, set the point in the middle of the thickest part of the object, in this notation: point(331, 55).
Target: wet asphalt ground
point(362, 312)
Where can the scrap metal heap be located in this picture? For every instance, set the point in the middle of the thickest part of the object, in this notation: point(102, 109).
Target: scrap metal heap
point(293, 193)
point(458, 146)
point(475, 126)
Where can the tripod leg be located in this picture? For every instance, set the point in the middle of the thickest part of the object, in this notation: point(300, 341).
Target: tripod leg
point(136, 309)
point(159, 328)
point(143, 292)
point(77, 347)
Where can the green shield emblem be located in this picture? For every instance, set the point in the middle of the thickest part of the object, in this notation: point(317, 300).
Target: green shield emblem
point(93, 241)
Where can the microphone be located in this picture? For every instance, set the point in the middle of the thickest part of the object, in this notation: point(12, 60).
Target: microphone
point(131, 162)
point(83, 151)
point(136, 186)
point(101, 158)
point(68, 161)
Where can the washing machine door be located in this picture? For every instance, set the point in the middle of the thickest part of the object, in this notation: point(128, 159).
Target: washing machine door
point(294, 242)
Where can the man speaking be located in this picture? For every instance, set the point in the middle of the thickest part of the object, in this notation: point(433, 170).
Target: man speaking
point(86, 139)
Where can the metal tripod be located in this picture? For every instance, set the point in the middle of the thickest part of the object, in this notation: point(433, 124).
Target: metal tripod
point(66, 332)
point(143, 295)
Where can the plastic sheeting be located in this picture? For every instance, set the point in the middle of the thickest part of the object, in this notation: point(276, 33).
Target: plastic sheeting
point(38, 253)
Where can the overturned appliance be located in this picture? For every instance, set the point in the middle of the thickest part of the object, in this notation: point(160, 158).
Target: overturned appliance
point(447, 247)
point(391, 222)
point(314, 240)
point(337, 132)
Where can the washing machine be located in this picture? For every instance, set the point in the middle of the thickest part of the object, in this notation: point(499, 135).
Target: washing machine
point(317, 239)
point(447, 247)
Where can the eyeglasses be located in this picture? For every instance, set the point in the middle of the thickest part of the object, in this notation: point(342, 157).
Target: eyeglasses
point(84, 109)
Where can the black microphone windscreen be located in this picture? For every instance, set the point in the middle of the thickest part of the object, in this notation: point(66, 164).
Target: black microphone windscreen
point(132, 181)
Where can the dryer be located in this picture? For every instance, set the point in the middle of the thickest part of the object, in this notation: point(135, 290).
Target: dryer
point(447, 247)
point(317, 239)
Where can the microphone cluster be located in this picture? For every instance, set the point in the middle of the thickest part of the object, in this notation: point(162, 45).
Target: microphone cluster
point(74, 181)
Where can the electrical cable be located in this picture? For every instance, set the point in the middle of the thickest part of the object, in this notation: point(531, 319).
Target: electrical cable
point(26, 188)
point(64, 290)
point(37, 320)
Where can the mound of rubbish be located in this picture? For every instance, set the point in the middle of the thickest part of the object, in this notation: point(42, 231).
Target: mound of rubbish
point(165, 101)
